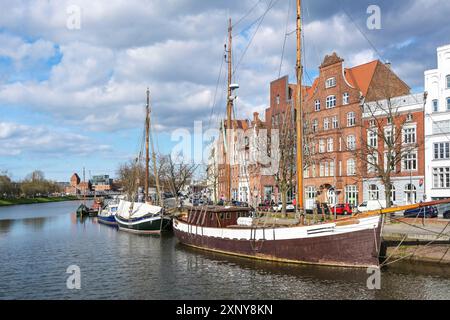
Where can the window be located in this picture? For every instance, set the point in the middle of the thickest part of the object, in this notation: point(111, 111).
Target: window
point(278, 99)
point(442, 150)
point(448, 103)
point(311, 193)
point(317, 105)
point(372, 123)
point(351, 195)
point(409, 135)
point(335, 122)
point(372, 163)
point(330, 145)
point(351, 119)
point(389, 161)
point(321, 146)
point(326, 124)
point(410, 162)
point(389, 121)
point(332, 169)
point(409, 118)
point(374, 192)
point(314, 170)
point(351, 167)
point(389, 137)
point(441, 178)
point(435, 105)
point(410, 194)
point(448, 81)
point(372, 138)
point(346, 98)
point(327, 171)
point(315, 125)
point(331, 102)
point(306, 173)
point(351, 142)
point(393, 195)
point(331, 82)
point(322, 170)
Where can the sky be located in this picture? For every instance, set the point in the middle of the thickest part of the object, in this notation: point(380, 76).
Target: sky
point(73, 86)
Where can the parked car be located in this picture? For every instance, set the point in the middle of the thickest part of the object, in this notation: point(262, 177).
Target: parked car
point(289, 207)
point(372, 205)
point(447, 214)
point(428, 212)
point(342, 209)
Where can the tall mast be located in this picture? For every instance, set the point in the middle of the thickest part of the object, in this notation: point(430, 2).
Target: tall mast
point(147, 137)
point(299, 113)
point(229, 110)
point(155, 170)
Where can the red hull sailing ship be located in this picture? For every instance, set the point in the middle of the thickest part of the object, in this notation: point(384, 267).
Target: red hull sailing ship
point(350, 242)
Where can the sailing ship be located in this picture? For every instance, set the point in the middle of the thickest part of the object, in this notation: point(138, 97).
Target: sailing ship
point(349, 242)
point(144, 218)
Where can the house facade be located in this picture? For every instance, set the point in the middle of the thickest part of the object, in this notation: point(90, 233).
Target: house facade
point(395, 128)
point(334, 127)
point(437, 127)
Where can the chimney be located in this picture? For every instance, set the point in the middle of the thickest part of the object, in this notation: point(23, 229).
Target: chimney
point(255, 116)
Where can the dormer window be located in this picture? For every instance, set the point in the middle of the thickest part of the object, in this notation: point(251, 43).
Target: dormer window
point(346, 98)
point(330, 83)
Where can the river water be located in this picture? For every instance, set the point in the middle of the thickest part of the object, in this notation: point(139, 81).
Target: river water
point(39, 242)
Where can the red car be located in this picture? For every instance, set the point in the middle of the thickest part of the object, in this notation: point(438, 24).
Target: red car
point(342, 209)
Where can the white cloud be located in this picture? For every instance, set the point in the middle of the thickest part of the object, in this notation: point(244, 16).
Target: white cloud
point(17, 139)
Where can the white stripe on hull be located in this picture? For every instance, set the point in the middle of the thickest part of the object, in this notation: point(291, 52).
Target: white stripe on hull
point(281, 233)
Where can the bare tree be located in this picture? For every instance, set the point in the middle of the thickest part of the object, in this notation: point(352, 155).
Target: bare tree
point(387, 143)
point(131, 176)
point(176, 173)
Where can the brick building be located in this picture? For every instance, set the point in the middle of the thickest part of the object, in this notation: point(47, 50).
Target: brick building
point(335, 129)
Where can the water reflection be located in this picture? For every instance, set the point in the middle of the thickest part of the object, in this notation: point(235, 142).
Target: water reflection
point(37, 244)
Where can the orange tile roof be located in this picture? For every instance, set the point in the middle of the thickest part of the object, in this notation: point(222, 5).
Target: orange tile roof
point(361, 76)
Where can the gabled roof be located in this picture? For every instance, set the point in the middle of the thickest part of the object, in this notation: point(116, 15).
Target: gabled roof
point(361, 76)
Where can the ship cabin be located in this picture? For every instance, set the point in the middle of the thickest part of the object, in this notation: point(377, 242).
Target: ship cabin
point(217, 217)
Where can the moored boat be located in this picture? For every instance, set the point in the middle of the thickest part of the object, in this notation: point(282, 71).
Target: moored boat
point(351, 242)
point(142, 218)
point(82, 211)
point(107, 214)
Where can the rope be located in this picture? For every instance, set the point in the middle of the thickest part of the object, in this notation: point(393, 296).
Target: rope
point(439, 235)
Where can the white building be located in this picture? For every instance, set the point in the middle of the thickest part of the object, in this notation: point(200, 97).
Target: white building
point(407, 180)
point(437, 127)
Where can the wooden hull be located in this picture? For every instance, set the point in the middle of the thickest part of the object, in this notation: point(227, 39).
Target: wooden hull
point(145, 226)
point(357, 248)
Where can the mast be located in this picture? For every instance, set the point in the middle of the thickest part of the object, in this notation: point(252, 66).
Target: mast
point(229, 111)
point(299, 113)
point(147, 137)
point(84, 186)
point(155, 171)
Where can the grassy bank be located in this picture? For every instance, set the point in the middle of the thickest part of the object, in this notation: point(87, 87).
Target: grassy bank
point(11, 202)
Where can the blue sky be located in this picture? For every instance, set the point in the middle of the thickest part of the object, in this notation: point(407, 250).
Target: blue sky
point(74, 98)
